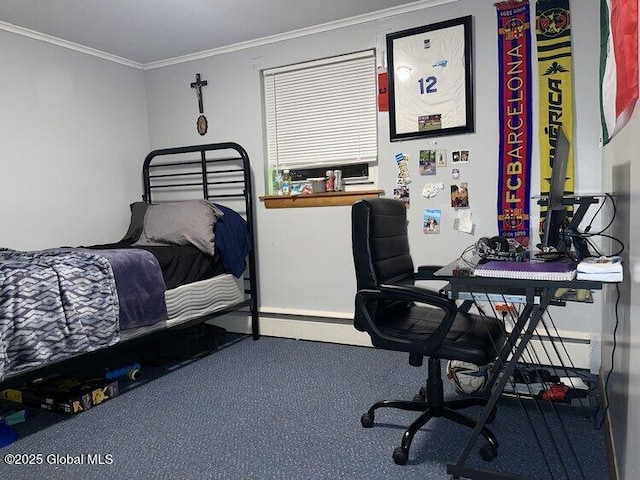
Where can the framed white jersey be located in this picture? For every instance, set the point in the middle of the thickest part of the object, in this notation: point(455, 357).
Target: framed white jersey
point(430, 89)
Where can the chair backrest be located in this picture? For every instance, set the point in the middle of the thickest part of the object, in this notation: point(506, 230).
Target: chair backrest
point(380, 249)
point(380, 243)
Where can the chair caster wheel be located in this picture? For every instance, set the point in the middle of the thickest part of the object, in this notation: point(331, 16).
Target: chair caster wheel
point(400, 457)
point(366, 420)
point(488, 452)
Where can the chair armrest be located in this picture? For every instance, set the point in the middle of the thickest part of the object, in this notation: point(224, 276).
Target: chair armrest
point(426, 272)
point(412, 293)
point(408, 294)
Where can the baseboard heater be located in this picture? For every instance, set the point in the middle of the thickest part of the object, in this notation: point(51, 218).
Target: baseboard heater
point(578, 349)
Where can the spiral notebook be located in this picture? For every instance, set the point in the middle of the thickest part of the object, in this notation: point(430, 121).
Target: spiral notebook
point(557, 271)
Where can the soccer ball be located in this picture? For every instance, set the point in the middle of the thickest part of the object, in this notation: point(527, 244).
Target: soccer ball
point(467, 377)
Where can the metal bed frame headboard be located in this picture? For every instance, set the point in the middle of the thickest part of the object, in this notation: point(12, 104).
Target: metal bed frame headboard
point(219, 172)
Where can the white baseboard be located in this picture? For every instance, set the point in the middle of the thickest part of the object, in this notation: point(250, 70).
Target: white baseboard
point(573, 352)
point(576, 349)
point(299, 327)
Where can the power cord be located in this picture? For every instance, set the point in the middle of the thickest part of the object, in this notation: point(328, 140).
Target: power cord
point(586, 235)
point(613, 351)
point(587, 229)
point(470, 248)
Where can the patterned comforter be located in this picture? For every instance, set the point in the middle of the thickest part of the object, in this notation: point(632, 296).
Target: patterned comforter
point(58, 303)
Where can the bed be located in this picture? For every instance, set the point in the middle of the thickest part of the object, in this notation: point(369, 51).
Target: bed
point(188, 256)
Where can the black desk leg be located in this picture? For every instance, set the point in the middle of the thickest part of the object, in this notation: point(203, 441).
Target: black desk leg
point(532, 313)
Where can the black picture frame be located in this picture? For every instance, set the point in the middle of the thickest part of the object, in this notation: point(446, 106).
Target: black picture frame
point(431, 91)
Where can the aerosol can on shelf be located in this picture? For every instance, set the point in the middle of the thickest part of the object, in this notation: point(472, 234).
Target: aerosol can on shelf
point(338, 184)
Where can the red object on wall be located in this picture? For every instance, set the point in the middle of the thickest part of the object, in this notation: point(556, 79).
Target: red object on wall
point(383, 91)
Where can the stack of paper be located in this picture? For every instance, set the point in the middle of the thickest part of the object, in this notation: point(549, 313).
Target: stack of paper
point(602, 269)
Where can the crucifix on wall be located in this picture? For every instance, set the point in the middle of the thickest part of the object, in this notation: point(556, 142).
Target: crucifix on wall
point(201, 123)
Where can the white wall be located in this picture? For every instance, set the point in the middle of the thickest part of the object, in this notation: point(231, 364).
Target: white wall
point(304, 255)
point(73, 135)
point(69, 119)
point(621, 332)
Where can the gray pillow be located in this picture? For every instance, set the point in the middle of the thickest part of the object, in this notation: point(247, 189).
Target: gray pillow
point(181, 223)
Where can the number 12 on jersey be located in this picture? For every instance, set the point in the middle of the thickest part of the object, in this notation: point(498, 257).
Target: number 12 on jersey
point(428, 85)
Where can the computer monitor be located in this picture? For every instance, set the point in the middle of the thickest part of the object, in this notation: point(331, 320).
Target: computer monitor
point(554, 237)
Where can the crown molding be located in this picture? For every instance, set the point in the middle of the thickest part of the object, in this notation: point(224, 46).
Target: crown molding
point(325, 27)
point(43, 37)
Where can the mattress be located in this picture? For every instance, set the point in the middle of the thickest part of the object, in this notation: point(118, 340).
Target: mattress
point(202, 298)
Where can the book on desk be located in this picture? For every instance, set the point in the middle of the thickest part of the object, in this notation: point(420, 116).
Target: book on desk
point(555, 271)
point(604, 269)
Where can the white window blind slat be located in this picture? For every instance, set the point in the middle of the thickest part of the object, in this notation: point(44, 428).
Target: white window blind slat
point(322, 113)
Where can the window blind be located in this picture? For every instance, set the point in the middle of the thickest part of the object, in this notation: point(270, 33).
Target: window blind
point(322, 113)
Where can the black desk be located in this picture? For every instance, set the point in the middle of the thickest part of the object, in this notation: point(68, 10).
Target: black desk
point(537, 296)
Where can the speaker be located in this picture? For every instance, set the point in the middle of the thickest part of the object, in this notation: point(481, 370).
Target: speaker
point(500, 248)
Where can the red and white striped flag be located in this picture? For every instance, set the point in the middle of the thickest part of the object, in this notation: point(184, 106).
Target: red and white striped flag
point(618, 64)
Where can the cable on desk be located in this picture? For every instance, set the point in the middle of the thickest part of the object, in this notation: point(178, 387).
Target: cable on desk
point(593, 218)
point(470, 248)
point(587, 238)
point(586, 235)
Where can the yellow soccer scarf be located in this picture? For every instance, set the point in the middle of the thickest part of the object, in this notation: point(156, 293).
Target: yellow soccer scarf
point(555, 86)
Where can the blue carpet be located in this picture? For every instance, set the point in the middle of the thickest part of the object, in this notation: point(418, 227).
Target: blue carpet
point(278, 409)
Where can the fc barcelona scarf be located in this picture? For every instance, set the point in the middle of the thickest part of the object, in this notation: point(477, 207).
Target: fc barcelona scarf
point(514, 58)
point(553, 35)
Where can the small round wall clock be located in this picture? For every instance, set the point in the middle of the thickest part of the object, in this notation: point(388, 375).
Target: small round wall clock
point(202, 124)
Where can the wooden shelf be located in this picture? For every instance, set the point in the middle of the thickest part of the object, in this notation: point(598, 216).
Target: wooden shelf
point(329, 199)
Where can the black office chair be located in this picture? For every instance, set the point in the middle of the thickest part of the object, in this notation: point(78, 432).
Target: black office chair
point(398, 315)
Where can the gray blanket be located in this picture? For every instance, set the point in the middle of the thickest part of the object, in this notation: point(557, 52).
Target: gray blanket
point(55, 304)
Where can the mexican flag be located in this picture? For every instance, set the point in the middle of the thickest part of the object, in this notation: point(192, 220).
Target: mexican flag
point(618, 64)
